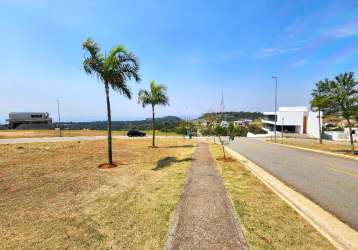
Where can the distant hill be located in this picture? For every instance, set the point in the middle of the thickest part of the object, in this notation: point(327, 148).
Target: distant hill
point(167, 122)
point(232, 116)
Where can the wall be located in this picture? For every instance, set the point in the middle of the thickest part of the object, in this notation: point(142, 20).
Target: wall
point(312, 124)
point(293, 118)
point(335, 136)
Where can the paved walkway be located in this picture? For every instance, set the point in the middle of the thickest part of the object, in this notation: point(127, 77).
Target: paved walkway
point(204, 217)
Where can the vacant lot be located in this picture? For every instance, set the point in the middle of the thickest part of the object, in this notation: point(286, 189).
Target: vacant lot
point(6, 134)
point(54, 196)
point(329, 146)
point(268, 222)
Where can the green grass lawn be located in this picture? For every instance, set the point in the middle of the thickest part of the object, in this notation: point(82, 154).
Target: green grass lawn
point(53, 196)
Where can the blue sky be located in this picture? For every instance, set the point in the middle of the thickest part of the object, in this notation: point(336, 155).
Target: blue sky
point(197, 48)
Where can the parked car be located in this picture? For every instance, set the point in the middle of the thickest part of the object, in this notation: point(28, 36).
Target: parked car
point(134, 133)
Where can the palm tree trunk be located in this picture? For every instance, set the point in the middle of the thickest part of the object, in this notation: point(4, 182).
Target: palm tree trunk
point(153, 127)
point(109, 119)
point(350, 135)
point(319, 125)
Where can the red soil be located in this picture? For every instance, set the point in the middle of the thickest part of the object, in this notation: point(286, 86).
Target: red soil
point(227, 159)
point(115, 164)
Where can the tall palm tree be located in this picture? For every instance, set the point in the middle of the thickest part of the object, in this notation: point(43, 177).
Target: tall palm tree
point(156, 95)
point(113, 71)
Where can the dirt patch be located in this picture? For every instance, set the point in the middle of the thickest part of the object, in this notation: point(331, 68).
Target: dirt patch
point(225, 159)
point(107, 165)
point(113, 165)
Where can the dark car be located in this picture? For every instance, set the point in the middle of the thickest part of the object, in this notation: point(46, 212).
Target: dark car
point(133, 133)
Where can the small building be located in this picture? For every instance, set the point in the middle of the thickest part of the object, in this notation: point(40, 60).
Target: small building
point(243, 122)
point(298, 120)
point(224, 124)
point(29, 120)
point(202, 122)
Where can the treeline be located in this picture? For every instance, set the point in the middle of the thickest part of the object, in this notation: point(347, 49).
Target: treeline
point(232, 131)
point(167, 123)
point(232, 116)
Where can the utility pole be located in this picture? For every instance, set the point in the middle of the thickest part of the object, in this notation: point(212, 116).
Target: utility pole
point(59, 116)
point(275, 129)
point(222, 107)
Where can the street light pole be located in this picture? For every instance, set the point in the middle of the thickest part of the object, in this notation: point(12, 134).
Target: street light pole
point(59, 116)
point(275, 129)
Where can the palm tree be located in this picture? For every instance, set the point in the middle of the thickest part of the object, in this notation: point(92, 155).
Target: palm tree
point(155, 96)
point(113, 71)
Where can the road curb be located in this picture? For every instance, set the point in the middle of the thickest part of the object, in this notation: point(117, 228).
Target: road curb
point(315, 150)
point(338, 233)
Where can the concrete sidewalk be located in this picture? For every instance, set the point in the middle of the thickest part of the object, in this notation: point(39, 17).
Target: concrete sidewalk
point(204, 218)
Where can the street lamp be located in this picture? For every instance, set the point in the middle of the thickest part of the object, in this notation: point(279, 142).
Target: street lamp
point(275, 77)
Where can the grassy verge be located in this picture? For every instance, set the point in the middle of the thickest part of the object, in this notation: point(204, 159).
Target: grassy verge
point(54, 197)
point(329, 146)
point(268, 222)
point(6, 134)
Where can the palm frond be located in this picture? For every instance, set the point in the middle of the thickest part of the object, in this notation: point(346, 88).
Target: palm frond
point(115, 69)
point(144, 97)
point(94, 62)
point(156, 95)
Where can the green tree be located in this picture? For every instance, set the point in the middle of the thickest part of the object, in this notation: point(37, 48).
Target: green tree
point(219, 132)
point(113, 71)
point(242, 131)
point(319, 102)
point(156, 95)
point(231, 131)
point(342, 99)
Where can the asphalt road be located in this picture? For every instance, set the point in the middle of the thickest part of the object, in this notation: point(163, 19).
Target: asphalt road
point(329, 181)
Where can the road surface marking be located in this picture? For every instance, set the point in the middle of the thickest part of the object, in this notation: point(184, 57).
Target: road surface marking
point(338, 170)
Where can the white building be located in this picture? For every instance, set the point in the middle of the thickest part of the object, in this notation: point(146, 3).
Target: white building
point(242, 122)
point(224, 124)
point(299, 120)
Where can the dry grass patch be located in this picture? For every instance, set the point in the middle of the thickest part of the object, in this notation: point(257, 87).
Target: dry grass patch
point(7, 134)
point(268, 222)
point(54, 196)
point(329, 146)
